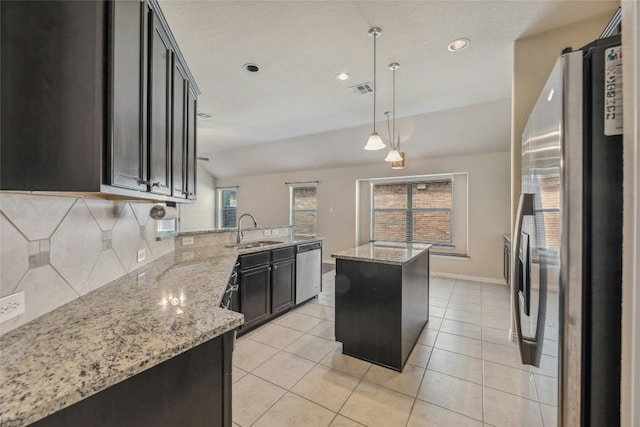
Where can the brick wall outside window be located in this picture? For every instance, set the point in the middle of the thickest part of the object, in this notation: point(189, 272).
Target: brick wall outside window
point(304, 211)
point(413, 212)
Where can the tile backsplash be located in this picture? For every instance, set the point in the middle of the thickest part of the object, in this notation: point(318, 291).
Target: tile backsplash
point(57, 249)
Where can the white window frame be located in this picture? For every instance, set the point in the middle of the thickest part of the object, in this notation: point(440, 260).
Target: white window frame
point(292, 211)
point(220, 205)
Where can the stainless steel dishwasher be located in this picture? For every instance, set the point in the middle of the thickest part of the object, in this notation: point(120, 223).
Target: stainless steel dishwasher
point(308, 271)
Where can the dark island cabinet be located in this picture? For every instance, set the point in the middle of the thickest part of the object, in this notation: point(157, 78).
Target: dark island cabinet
point(95, 113)
point(191, 389)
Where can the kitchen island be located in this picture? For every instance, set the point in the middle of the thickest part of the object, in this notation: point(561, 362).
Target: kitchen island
point(382, 300)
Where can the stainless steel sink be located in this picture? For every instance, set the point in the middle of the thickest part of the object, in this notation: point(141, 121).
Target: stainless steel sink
point(258, 244)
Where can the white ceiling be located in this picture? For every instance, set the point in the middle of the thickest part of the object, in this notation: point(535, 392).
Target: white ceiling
point(295, 115)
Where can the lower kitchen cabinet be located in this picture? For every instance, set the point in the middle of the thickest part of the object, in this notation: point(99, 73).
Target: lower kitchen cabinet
point(191, 389)
point(255, 298)
point(267, 285)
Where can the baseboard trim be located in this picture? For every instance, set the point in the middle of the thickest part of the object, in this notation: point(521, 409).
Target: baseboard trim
point(472, 278)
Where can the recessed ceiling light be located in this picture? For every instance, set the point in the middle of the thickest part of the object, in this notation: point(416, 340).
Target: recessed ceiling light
point(458, 44)
point(252, 68)
point(343, 76)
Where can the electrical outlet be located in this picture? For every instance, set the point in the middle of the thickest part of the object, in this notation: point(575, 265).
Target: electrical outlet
point(11, 306)
point(267, 233)
point(141, 255)
point(274, 232)
point(187, 241)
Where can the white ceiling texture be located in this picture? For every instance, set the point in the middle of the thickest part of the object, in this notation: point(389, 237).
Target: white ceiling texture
point(295, 115)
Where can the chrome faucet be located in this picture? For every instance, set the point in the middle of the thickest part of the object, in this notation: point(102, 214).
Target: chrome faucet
point(239, 233)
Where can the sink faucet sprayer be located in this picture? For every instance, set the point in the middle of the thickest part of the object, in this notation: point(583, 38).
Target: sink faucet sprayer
point(239, 235)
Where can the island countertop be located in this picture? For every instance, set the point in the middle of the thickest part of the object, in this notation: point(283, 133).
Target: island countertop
point(121, 329)
point(383, 252)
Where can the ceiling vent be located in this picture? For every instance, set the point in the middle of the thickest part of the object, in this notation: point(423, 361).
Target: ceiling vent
point(362, 89)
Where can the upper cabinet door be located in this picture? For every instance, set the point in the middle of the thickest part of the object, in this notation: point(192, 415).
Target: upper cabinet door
point(191, 145)
point(179, 141)
point(159, 107)
point(127, 145)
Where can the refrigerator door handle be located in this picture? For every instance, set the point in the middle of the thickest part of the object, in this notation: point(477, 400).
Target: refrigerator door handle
point(528, 346)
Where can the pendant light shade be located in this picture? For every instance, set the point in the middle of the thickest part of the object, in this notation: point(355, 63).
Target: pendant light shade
point(400, 164)
point(393, 156)
point(374, 142)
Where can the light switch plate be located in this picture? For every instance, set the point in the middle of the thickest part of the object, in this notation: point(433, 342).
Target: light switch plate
point(141, 255)
point(11, 306)
point(187, 241)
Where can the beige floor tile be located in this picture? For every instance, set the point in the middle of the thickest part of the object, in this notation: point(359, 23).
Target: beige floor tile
point(504, 409)
point(252, 396)
point(466, 306)
point(276, 335)
point(437, 311)
point(284, 369)
point(462, 297)
point(461, 328)
point(325, 329)
point(504, 355)
point(311, 347)
point(428, 336)
point(550, 348)
point(347, 364)
point(405, 382)
point(237, 373)
point(497, 322)
point(456, 365)
point(463, 316)
point(439, 293)
point(341, 421)
point(294, 411)
point(427, 415)
point(434, 322)
point(376, 406)
point(252, 354)
point(459, 344)
point(510, 380)
point(549, 415)
point(493, 302)
point(497, 336)
point(452, 393)
point(298, 321)
point(327, 301)
point(548, 366)
point(420, 355)
point(547, 388)
point(317, 310)
point(438, 301)
point(326, 387)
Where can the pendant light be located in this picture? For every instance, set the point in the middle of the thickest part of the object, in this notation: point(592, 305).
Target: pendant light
point(374, 142)
point(394, 154)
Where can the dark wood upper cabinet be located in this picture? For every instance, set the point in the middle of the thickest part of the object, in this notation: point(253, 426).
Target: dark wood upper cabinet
point(88, 100)
point(127, 149)
point(160, 55)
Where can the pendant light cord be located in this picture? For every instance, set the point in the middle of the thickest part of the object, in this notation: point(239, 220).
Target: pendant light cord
point(394, 111)
point(375, 86)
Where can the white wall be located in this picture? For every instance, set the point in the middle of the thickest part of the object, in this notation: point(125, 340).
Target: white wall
point(267, 197)
point(201, 214)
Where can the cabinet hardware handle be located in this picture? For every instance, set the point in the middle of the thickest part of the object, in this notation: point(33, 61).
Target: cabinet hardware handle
point(145, 182)
point(155, 184)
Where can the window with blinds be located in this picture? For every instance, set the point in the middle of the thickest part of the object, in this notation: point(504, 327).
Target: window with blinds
point(413, 212)
point(303, 213)
point(227, 207)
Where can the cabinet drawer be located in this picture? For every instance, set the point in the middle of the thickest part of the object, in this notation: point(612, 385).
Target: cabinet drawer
point(254, 260)
point(282, 253)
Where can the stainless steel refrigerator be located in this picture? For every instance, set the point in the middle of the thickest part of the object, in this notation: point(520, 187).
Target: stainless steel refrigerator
point(567, 244)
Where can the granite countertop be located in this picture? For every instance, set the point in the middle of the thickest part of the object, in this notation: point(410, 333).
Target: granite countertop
point(117, 331)
point(383, 252)
point(134, 323)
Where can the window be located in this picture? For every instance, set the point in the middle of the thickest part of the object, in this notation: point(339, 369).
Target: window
point(303, 215)
point(227, 207)
point(419, 212)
